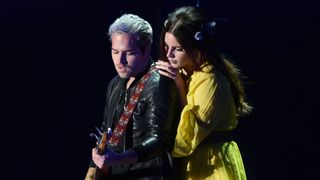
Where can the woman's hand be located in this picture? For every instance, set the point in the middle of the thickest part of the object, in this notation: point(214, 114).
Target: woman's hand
point(166, 69)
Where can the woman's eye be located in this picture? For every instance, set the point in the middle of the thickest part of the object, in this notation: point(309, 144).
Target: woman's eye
point(179, 49)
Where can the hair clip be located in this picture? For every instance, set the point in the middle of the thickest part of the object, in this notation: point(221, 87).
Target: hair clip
point(165, 23)
point(207, 28)
point(198, 36)
point(198, 4)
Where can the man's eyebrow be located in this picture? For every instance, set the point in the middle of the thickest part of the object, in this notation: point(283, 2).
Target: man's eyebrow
point(127, 50)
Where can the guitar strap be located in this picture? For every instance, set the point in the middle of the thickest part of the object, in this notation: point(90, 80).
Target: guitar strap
point(126, 114)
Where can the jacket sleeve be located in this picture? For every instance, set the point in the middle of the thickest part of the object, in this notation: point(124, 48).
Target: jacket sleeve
point(160, 118)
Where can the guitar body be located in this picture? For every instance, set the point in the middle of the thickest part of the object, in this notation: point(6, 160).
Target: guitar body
point(101, 150)
point(100, 174)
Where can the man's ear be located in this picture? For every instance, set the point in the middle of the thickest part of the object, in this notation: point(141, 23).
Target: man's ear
point(147, 50)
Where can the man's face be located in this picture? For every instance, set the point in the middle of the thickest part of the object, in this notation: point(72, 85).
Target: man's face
point(127, 56)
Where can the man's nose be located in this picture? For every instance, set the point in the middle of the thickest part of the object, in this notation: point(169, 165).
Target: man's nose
point(123, 59)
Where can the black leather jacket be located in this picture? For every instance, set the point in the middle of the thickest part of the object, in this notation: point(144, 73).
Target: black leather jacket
point(151, 129)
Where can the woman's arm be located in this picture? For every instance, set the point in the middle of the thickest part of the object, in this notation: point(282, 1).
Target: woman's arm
point(166, 69)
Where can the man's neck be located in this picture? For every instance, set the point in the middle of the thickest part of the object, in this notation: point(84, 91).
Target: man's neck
point(139, 75)
point(131, 79)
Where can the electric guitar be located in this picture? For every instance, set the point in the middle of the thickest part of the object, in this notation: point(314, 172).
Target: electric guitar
point(101, 146)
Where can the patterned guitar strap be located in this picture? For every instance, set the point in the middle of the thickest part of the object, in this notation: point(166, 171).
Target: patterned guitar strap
point(126, 115)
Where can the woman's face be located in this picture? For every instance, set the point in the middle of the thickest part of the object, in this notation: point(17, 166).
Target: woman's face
point(176, 55)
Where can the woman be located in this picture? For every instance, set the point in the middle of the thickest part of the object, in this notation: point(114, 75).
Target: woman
point(211, 95)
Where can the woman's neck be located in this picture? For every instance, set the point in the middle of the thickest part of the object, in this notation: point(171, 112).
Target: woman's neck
point(189, 69)
point(193, 65)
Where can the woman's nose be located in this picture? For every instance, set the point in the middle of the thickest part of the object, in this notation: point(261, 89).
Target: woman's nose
point(170, 54)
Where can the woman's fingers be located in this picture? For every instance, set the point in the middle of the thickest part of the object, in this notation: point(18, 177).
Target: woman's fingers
point(166, 69)
point(163, 65)
point(162, 62)
point(165, 73)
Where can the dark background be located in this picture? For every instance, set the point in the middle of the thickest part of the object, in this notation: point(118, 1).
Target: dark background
point(55, 65)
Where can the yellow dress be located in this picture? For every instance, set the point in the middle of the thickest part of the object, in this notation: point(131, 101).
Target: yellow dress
point(210, 108)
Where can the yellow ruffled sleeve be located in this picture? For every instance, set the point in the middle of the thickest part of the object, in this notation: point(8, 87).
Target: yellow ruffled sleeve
point(209, 106)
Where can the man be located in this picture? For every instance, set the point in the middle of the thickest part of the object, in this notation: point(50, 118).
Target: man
point(142, 150)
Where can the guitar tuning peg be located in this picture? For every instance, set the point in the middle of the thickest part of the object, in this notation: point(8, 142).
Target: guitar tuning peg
point(99, 131)
point(95, 136)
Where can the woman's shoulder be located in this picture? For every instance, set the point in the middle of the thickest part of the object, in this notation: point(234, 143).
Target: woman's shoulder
point(205, 73)
point(208, 76)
